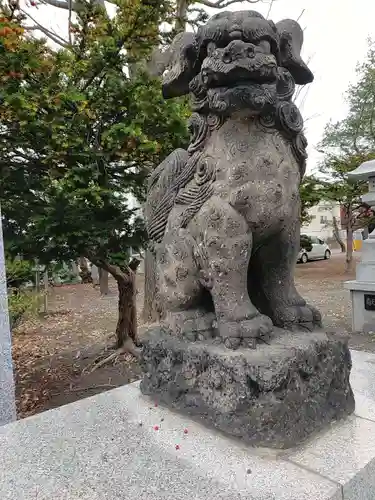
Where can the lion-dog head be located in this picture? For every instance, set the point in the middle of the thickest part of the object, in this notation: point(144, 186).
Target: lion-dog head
point(237, 60)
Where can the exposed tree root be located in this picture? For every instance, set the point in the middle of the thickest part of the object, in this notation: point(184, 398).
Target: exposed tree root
point(128, 348)
point(92, 387)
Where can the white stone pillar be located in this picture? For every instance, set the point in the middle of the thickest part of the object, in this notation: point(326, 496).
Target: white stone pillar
point(95, 275)
point(7, 397)
point(362, 289)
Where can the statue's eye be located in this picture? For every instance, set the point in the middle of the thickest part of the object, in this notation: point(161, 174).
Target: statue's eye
point(227, 58)
point(265, 46)
point(211, 47)
point(251, 51)
point(222, 40)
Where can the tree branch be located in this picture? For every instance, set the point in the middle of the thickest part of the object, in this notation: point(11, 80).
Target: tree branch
point(372, 113)
point(48, 33)
point(120, 44)
point(70, 21)
point(355, 139)
point(269, 9)
point(221, 4)
point(299, 17)
point(126, 275)
point(54, 37)
point(69, 4)
point(62, 4)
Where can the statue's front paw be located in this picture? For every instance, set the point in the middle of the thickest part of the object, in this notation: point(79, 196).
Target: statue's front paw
point(245, 332)
point(304, 317)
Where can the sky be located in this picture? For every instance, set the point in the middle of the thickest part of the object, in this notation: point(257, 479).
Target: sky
point(336, 33)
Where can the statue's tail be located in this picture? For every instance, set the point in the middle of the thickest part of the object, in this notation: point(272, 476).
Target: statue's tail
point(161, 187)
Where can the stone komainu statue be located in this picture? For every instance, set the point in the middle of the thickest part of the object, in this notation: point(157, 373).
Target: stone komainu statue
point(223, 216)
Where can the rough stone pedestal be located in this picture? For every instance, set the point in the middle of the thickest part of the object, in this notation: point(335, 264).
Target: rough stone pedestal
point(275, 396)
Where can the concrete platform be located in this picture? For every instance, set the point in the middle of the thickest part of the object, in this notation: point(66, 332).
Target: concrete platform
point(107, 448)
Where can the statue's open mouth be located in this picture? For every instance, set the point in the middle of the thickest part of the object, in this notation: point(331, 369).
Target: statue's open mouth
point(238, 76)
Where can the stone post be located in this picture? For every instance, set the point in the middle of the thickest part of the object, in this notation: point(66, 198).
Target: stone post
point(75, 270)
point(7, 398)
point(362, 289)
point(95, 275)
point(103, 282)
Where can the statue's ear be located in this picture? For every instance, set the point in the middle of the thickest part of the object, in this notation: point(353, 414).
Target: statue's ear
point(184, 65)
point(291, 40)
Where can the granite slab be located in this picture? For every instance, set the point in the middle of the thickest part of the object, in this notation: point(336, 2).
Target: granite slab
point(119, 445)
point(353, 463)
point(107, 447)
point(362, 380)
point(344, 454)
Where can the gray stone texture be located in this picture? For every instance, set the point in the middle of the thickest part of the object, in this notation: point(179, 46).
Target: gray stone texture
point(223, 216)
point(223, 221)
point(7, 397)
point(275, 396)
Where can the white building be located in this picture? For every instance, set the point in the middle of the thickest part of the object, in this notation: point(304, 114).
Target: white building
point(321, 224)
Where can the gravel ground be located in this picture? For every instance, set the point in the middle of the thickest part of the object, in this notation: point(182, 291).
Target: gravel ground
point(331, 299)
point(322, 284)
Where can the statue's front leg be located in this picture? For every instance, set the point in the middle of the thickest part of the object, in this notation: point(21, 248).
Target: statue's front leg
point(271, 276)
point(227, 243)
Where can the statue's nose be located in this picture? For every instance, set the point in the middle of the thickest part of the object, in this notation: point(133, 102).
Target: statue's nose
point(238, 45)
point(237, 49)
point(235, 34)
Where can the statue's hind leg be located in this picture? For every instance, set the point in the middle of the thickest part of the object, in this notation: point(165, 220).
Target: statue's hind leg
point(271, 278)
point(189, 309)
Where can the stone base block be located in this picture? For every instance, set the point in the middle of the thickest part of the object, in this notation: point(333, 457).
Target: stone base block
point(363, 320)
point(275, 396)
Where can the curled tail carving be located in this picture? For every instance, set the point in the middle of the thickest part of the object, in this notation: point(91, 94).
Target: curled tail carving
point(160, 187)
point(171, 176)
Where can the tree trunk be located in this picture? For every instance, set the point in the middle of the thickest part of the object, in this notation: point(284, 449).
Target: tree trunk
point(85, 272)
point(150, 312)
point(126, 329)
point(37, 277)
point(75, 269)
point(160, 60)
point(181, 15)
point(349, 248)
point(103, 281)
point(127, 315)
point(336, 234)
point(45, 296)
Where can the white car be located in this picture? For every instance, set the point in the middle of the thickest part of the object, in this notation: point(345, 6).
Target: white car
point(320, 250)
